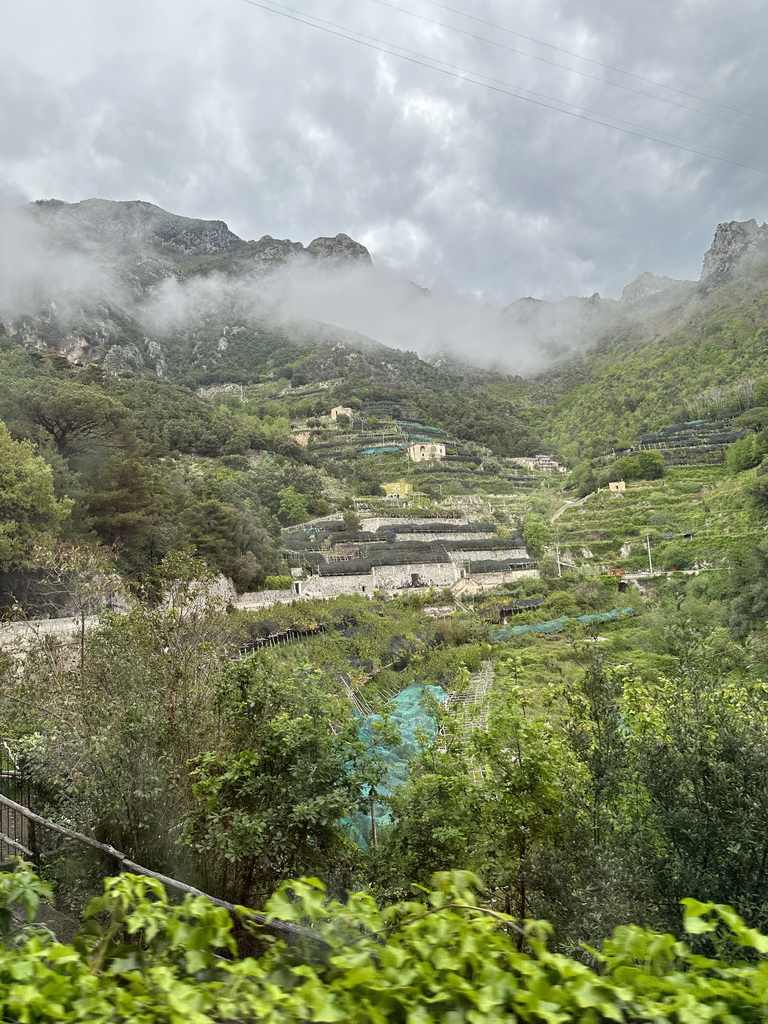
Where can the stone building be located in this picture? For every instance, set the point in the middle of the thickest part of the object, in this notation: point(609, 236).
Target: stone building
point(426, 451)
point(341, 410)
point(543, 463)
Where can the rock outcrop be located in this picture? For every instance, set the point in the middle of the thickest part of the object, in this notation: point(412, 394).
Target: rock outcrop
point(135, 224)
point(731, 243)
point(341, 249)
point(646, 285)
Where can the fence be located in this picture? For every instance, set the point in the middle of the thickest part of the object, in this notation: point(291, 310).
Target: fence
point(17, 832)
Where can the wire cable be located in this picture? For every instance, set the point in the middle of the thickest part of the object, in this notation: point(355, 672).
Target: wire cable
point(575, 71)
point(474, 78)
point(607, 67)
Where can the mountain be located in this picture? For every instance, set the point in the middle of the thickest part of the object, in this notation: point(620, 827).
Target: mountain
point(135, 288)
point(132, 286)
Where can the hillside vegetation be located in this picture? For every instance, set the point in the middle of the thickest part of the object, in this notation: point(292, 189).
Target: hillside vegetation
point(583, 742)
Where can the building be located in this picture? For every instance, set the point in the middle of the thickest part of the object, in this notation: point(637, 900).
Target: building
point(426, 451)
point(616, 485)
point(544, 463)
point(398, 489)
point(341, 410)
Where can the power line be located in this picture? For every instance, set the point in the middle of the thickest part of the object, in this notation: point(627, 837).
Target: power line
point(575, 71)
point(538, 99)
point(597, 63)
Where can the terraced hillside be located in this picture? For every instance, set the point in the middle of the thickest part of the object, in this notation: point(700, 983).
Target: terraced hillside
point(694, 516)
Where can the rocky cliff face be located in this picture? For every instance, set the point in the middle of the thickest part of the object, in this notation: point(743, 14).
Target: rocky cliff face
point(341, 249)
point(731, 243)
point(91, 276)
point(137, 225)
point(646, 285)
point(158, 238)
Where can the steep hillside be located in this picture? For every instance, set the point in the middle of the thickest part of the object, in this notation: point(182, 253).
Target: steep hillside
point(696, 357)
point(134, 288)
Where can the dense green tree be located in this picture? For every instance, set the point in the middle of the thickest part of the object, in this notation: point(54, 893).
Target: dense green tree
point(69, 412)
point(647, 465)
point(293, 506)
point(699, 743)
point(28, 507)
point(537, 535)
point(269, 802)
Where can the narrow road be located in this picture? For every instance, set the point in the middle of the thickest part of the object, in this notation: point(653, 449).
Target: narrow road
point(571, 504)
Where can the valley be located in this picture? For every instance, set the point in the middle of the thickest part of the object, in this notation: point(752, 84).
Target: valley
point(280, 601)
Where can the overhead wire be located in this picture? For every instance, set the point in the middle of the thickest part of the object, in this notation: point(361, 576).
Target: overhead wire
point(564, 67)
point(597, 63)
point(517, 92)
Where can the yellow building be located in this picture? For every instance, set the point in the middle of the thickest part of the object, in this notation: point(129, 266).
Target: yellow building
point(399, 489)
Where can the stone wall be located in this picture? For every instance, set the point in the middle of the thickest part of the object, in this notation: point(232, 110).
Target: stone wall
point(488, 580)
point(373, 523)
point(333, 586)
point(263, 598)
point(498, 555)
point(430, 574)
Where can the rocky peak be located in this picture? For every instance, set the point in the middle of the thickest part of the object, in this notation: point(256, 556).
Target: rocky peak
point(645, 285)
point(136, 224)
point(341, 249)
point(732, 241)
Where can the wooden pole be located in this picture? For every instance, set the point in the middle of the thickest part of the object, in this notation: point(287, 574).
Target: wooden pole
point(127, 864)
point(17, 846)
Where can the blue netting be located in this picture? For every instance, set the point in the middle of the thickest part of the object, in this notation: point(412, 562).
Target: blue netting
point(393, 740)
point(557, 624)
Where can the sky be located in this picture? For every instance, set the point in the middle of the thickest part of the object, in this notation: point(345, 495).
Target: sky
point(241, 111)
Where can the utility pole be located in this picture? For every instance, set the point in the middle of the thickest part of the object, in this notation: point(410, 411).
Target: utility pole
point(557, 550)
point(648, 545)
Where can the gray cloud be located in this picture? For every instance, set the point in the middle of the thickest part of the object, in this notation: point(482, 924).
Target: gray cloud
point(222, 110)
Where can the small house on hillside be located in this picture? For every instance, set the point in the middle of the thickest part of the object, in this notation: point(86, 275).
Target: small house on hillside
point(398, 489)
point(616, 485)
point(543, 463)
point(426, 451)
point(341, 410)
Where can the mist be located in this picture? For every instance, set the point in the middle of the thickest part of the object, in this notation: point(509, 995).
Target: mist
point(52, 271)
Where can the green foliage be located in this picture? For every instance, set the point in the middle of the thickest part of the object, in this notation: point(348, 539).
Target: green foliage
point(278, 582)
point(28, 507)
point(21, 890)
point(537, 534)
point(68, 412)
point(698, 740)
point(293, 507)
point(648, 465)
point(269, 804)
point(443, 957)
point(744, 454)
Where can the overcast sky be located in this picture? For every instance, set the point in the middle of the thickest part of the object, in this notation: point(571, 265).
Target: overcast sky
point(221, 109)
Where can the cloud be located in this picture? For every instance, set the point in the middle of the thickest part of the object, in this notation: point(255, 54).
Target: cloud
point(222, 110)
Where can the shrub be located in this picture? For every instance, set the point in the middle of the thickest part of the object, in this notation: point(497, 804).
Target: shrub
point(278, 582)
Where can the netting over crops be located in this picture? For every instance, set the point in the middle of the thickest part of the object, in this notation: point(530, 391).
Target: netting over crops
point(557, 624)
point(393, 739)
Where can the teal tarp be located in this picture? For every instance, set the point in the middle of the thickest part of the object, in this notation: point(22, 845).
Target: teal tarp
point(385, 449)
point(394, 739)
point(554, 625)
